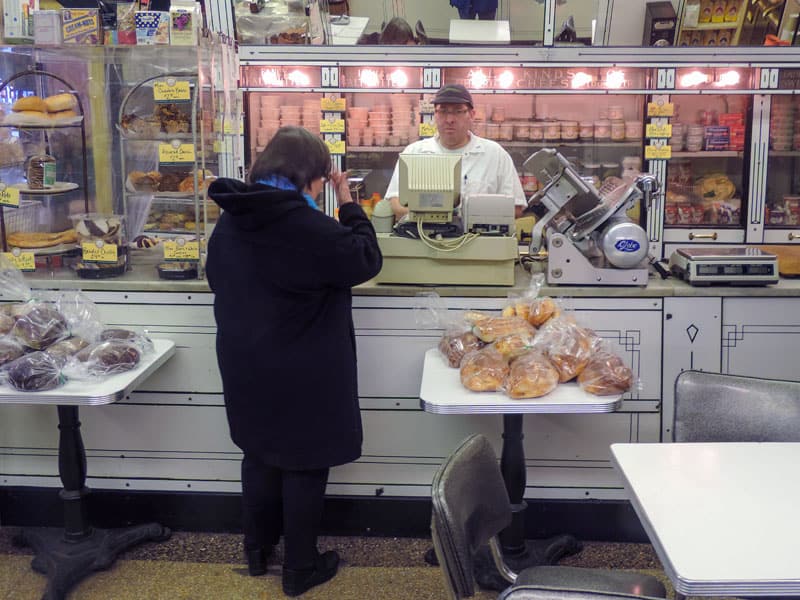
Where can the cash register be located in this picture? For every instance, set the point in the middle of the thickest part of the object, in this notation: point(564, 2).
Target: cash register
point(436, 244)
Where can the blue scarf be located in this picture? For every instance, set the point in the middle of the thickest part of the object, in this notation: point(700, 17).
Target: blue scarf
point(283, 183)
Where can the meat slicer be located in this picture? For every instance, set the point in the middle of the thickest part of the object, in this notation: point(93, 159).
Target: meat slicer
point(590, 240)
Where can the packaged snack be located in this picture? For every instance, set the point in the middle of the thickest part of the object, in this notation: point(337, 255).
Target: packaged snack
point(152, 27)
point(81, 26)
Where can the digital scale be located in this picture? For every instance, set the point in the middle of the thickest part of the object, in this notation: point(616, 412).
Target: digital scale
point(739, 265)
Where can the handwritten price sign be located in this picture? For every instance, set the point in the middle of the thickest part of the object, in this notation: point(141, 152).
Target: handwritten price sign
point(99, 252)
point(24, 261)
point(175, 153)
point(9, 196)
point(181, 249)
point(171, 91)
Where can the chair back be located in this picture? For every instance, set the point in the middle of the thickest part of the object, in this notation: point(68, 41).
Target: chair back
point(422, 37)
point(712, 407)
point(538, 592)
point(470, 505)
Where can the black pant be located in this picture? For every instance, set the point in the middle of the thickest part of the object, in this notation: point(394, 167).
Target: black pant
point(468, 13)
point(279, 501)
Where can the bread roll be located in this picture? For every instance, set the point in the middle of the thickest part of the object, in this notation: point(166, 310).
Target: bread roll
point(33, 103)
point(6, 323)
point(60, 102)
point(567, 345)
point(109, 357)
point(495, 328)
point(515, 345)
point(532, 376)
point(484, 370)
point(34, 372)
point(455, 346)
point(10, 350)
point(63, 114)
point(542, 310)
point(40, 326)
point(606, 375)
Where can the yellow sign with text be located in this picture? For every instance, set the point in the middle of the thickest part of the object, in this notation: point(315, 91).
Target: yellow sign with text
point(24, 261)
point(336, 147)
point(656, 109)
point(427, 130)
point(180, 249)
point(657, 152)
point(171, 91)
point(333, 104)
point(175, 153)
point(658, 131)
point(99, 252)
point(335, 126)
point(9, 197)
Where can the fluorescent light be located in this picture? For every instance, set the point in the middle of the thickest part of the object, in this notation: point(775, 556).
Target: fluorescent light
point(478, 79)
point(369, 78)
point(271, 77)
point(505, 79)
point(615, 79)
point(581, 79)
point(398, 78)
point(298, 78)
point(728, 78)
point(693, 78)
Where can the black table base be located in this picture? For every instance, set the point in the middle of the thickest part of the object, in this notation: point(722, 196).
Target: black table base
point(65, 563)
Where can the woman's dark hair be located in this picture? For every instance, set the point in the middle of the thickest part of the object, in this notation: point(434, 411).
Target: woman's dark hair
point(295, 153)
point(397, 32)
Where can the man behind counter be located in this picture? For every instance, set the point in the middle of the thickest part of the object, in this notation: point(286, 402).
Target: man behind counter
point(486, 168)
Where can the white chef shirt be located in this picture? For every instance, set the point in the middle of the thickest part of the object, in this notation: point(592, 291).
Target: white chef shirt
point(486, 168)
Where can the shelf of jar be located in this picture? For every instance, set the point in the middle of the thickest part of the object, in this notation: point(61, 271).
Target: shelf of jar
point(709, 154)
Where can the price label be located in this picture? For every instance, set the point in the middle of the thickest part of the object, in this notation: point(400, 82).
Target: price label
point(657, 152)
point(9, 196)
point(658, 131)
point(427, 130)
point(181, 249)
point(99, 252)
point(217, 124)
point(217, 146)
point(228, 127)
point(336, 147)
point(331, 126)
point(175, 153)
point(171, 90)
point(659, 109)
point(333, 104)
point(24, 261)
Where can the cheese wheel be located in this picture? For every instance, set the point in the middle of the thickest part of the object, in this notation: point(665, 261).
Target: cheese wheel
point(61, 102)
point(29, 103)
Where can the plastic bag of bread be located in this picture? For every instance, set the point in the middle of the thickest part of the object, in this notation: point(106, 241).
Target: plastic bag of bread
point(6, 323)
point(103, 358)
point(605, 374)
point(10, 350)
point(80, 313)
point(541, 310)
point(494, 328)
point(39, 325)
point(454, 345)
point(567, 345)
point(484, 370)
point(515, 345)
point(518, 305)
point(532, 375)
point(34, 372)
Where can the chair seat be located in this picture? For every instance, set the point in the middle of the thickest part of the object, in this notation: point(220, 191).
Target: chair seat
point(597, 580)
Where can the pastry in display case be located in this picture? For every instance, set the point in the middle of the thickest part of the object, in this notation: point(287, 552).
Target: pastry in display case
point(783, 190)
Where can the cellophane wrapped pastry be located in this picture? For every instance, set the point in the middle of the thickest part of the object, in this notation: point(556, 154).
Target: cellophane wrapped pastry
point(39, 325)
point(10, 350)
point(542, 310)
point(61, 351)
point(605, 374)
point(567, 345)
point(454, 345)
point(494, 328)
point(6, 323)
point(532, 375)
point(484, 370)
point(34, 372)
point(515, 345)
point(103, 358)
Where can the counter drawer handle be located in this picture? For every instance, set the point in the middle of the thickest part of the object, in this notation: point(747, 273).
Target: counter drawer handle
point(793, 236)
point(704, 236)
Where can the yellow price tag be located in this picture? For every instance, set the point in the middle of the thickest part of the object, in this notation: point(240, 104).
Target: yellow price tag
point(333, 104)
point(9, 196)
point(658, 131)
point(427, 130)
point(656, 109)
point(175, 153)
point(336, 147)
point(657, 152)
point(99, 252)
point(241, 126)
point(217, 146)
point(171, 90)
point(24, 261)
point(217, 124)
point(227, 128)
point(181, 249)
point(334, 126)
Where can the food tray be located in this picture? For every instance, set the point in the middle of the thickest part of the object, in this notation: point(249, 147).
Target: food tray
point(58, 188)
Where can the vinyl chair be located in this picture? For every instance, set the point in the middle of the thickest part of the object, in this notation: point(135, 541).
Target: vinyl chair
point(712, 407)
point(471, 507)
point(537, 592)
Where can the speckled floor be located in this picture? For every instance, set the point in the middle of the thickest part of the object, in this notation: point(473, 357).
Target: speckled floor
point(198, 566)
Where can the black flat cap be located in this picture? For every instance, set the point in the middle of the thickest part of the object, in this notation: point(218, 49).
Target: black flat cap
point(453, 93)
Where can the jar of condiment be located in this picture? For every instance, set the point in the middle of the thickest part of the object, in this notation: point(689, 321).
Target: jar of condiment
point(617, 130)
point(610, 169)
point(602, 129)
point(479, 128)
point(493, 131)
point(40, 171)
point(633, 130)
point(616, 112)
point(537, 131)
point(586, 130)
point(592, 170)
point(569, 130)
point(499, 114)
point(506, 131)
point(694, 143)
point(552, 130)
point(522, 131)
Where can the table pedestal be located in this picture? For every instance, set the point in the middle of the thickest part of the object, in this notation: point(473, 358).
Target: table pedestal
point(67, 556)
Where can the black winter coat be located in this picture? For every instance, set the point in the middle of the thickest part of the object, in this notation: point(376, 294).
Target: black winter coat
point(281, 273)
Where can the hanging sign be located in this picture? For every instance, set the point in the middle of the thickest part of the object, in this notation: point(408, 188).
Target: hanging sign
point(9, 196)
point(331, 126)
point(171, 90)
point(427, 130)
point(175, 153)
point(658, 131)
point(24, 261)
point(657, 152)
point(656, 109)
point(181, 249)
point(333, 104)
point(336, 147)
point(99, 252)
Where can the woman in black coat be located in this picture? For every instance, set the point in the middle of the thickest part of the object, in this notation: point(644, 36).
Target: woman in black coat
point(282, 272)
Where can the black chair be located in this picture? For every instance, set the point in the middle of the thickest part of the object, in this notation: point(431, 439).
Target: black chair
point(538, 592)
point(422, 37)
point(471, 506)
point(338, 7)
point(712, 407)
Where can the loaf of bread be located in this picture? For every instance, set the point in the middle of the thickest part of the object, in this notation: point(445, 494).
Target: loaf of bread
point(455, 345)
point(109, 357)
point(532, 376)
point(515, 345)
point(31, 103)
point(494, 328)
point(605, 375)
point(60, 102)
point(567, 345)
point(61, 351)
point(542, 310)
point(6, 323)
point(484, 370)
point(34, 372)
point(10, 350)
point(39, 326)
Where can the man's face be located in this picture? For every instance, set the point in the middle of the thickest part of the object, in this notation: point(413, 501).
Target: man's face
point(453, 122)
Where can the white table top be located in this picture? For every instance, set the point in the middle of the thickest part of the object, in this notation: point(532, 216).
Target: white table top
point(441, 392)
point(347, 35)
point(464, 31)
point(723, 517)
point(91, 393)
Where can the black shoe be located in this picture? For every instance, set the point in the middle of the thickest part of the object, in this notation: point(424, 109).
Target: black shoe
point(299, 581)
point(257, 560)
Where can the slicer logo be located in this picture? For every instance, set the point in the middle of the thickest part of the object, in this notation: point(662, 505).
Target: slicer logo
point(627, 245)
